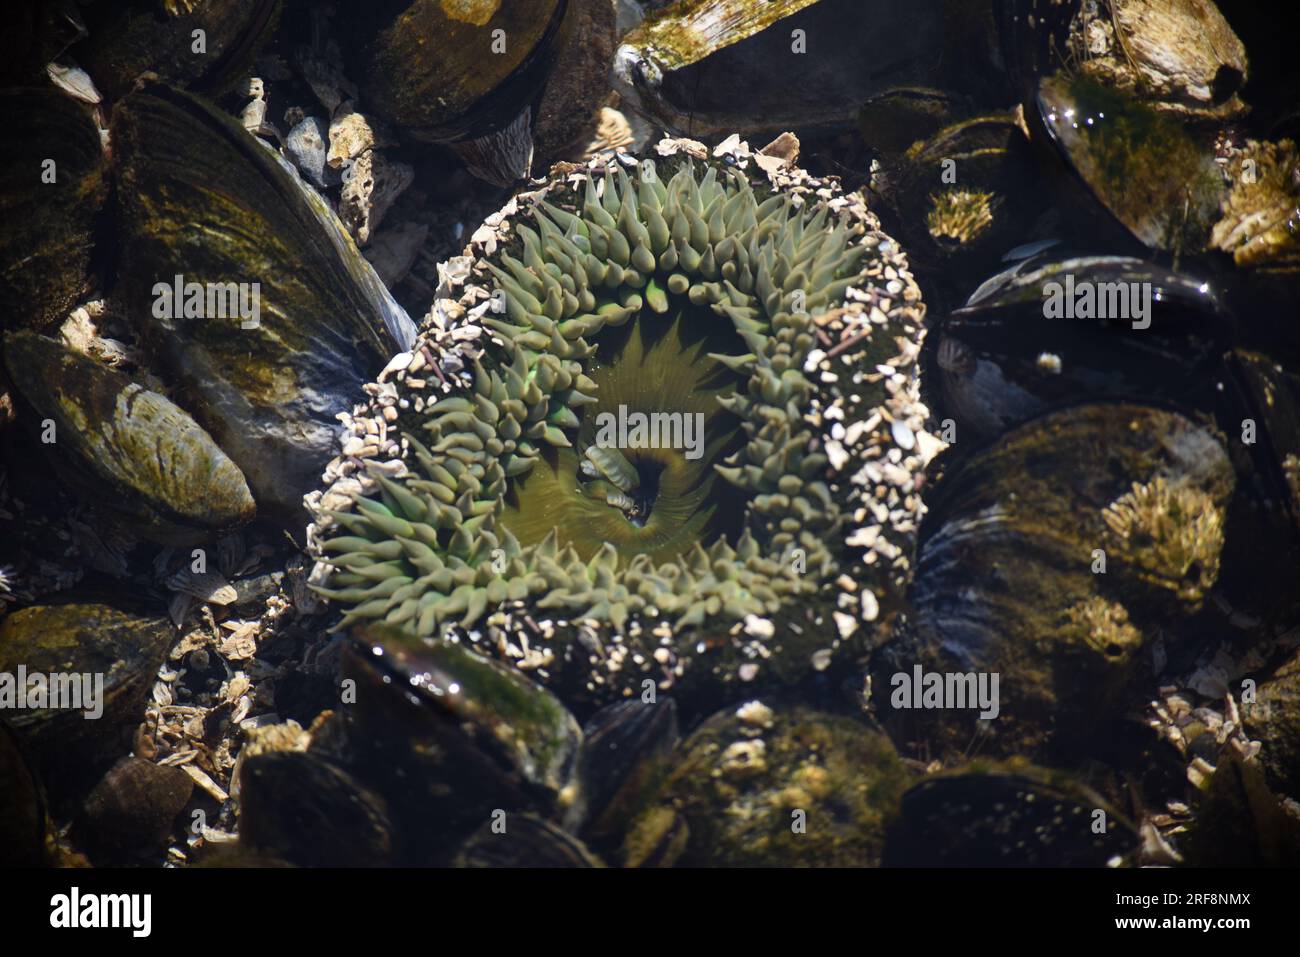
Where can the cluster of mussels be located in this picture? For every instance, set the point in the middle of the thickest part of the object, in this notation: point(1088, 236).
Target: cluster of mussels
point(679, 531)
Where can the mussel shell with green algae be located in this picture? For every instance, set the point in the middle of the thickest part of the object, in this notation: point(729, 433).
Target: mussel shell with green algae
point(446, 736)
point(132, 450)
point(1150, 172)
point(123, 647)
point(49, 226)
point(1005, 578)
point(754, 558)
point(201, 198)
point(784, 785)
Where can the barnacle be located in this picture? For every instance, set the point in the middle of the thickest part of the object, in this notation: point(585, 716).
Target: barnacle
point(671, 302)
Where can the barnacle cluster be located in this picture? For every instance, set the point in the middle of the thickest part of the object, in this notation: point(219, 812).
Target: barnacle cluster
point(1104, 626)
point(687, 296)
point(960, 215)
point(1173, 534)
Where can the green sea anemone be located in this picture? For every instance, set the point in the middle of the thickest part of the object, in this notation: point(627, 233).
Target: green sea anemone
point(676, 420)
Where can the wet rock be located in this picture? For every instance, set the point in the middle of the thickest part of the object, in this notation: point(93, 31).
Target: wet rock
point(131, 450)
point(307, 143)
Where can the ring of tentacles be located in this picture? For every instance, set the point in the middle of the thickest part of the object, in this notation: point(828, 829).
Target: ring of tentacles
point(689, 297)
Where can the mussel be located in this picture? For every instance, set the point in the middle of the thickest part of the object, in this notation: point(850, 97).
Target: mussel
point(1013, 815)
point(161, 471)
point(53, 182)
point(1048, 560)
point(1051, 330)
point(210, 218)
point(492, 80)
point(204, 45)
point(757, 785)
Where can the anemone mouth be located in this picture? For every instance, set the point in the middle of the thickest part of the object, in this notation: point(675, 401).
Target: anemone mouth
point(641, 474)
point(649, 378)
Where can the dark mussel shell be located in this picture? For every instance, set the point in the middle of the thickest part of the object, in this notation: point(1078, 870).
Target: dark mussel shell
point(120, 649)
point(450, 737)
point(961, 192)
point(204, 200)
point(999, 360)
point(1012, 816)
point(129, 38)
point(36, 32)
point(1263, 574)
point(301, 808)
point(524, 840)
point(1033, 38)
point(430, 67)
point(714, 67)
point(627, 750)
point(22, 807)
point(46, 246)
point(1052, 558)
